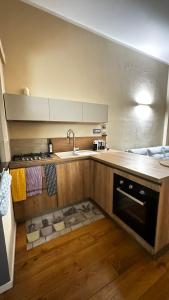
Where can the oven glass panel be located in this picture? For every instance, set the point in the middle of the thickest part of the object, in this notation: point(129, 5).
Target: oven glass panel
point(131, 212)
point(136, 205)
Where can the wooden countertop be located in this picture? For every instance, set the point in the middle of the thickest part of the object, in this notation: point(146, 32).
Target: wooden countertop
point(55, 159)
point(139, 165)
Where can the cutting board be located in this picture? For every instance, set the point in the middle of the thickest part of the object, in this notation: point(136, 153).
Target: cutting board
point(164, 162)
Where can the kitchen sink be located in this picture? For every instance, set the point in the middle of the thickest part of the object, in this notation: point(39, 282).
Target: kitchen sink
point(66, 154)
point(69, 154)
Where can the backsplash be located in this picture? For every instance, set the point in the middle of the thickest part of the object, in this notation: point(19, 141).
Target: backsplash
point(62, 144)
point(23, 146)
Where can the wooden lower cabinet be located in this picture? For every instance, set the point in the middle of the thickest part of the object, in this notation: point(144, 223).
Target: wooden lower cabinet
point(73, 185)
point(74, 182)
point(102, 192)
point(34, 206)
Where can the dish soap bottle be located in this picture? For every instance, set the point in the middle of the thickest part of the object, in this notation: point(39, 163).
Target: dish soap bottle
point(50, 147)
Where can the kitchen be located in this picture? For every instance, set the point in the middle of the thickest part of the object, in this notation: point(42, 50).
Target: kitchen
point(90, 219)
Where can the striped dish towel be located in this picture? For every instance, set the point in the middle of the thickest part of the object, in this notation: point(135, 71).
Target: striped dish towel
point(34, 181)
point(50, 178)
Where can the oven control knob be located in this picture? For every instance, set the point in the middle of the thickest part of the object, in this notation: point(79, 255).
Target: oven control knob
point(121, 182)
point(142, 192)
point(130, 187)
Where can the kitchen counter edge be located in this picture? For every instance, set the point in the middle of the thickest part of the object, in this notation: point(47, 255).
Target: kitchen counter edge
point(106, 158)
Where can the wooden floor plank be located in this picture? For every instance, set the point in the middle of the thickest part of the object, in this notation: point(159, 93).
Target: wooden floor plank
point(159, 290)
point(98, 261)
point(131, 285)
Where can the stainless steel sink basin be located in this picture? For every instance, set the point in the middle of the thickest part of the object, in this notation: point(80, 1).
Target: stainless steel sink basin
point(69, 154)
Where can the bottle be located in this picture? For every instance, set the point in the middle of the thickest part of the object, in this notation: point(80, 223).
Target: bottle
point(50, 147)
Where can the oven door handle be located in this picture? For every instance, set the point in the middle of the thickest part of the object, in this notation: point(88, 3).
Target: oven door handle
point(131, 197)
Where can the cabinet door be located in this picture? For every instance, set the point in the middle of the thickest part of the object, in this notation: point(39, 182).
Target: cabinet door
point(103, 186)
point(34, 206)
point(26, 108)
point(65, 111)
point(73, 182)
point(96, 113)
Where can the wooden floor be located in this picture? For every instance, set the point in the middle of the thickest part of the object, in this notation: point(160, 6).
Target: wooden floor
point(98, 262)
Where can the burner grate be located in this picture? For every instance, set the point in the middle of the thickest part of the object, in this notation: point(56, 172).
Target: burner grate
point(31, 156)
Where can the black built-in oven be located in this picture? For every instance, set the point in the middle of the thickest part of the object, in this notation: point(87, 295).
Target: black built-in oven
point(136, 205)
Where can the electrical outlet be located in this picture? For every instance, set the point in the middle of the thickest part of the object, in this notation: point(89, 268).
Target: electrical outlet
point(96, 131)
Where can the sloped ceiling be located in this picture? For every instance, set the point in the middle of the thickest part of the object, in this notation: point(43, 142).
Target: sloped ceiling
point(140, 24)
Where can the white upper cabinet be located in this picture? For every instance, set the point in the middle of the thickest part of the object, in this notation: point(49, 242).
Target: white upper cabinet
point(65, 111)
point(29, 108)
point(26, 108)
point(95, 113)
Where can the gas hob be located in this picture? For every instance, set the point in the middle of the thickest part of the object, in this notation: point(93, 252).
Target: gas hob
point(31, 156)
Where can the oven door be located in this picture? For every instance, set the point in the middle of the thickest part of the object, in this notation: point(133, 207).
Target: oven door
point(131, 210)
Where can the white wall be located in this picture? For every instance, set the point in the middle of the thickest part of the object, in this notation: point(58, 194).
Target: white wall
point(9, 225)
point(4, 137)
point(56, 59)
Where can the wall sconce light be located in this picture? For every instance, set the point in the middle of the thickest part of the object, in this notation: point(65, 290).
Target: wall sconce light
point(144, 100)
point(143, 97)
point(143, 111)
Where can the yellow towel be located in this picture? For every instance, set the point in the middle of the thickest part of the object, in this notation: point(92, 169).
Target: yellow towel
point(18, 184)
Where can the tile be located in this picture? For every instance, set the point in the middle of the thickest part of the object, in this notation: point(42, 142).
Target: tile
point(29, 246)
point(66, 208)
point(59, 226)
point(92, 220)
point(86, 222)
point(88, 204)
point(58, 214)
point(74, 219)
point(98, 217)
point(96, 211)
point(52, 236)
point(64, 231)
point(89, 215)
point(37, 221)
point(27, 224)
point(78, 206)
point(39, 242)
point(80, 217)
point(49, 217)
point(46, 231)
point(73, 227)
point(69, 211)
point(70, 220)
point(33, 236)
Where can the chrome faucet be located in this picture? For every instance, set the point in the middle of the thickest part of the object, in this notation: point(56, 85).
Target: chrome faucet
point(69, 132)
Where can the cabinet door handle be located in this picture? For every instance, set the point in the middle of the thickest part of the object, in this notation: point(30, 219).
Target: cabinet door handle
point(131, 197)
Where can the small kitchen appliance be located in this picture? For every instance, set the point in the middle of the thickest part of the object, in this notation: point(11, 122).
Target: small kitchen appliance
point(99, 145)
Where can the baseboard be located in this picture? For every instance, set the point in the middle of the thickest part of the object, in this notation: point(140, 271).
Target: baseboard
point(9, 284)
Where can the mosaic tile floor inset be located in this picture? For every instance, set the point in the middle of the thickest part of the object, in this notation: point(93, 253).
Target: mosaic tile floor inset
point(50, 226)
